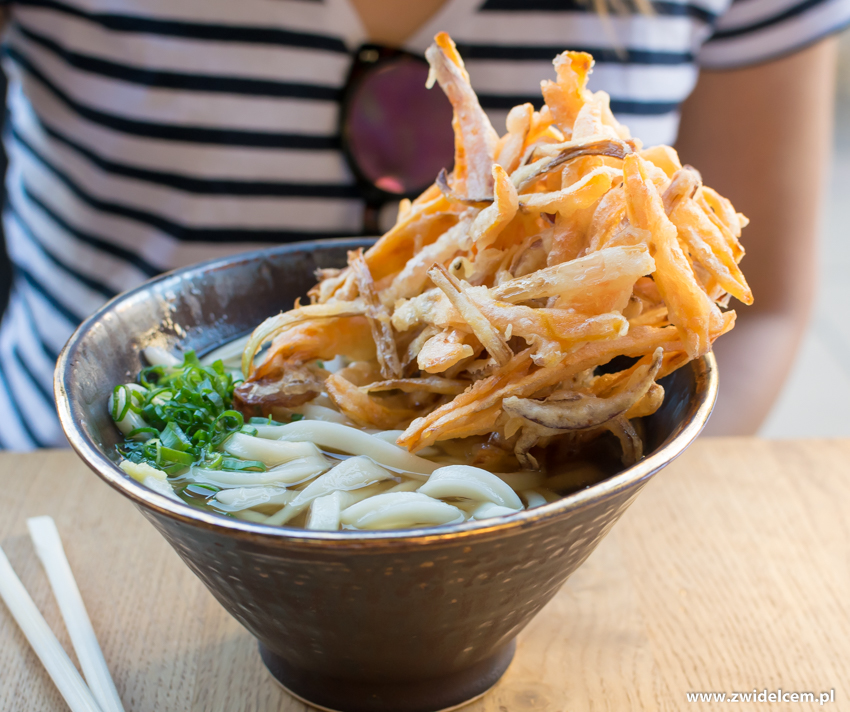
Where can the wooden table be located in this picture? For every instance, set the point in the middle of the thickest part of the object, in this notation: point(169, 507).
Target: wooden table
point(729, 573)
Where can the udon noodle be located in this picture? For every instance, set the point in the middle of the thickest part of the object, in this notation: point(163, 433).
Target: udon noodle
point(323, 472)
point(496, 349)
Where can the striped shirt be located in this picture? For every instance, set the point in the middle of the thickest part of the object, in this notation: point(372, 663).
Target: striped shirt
point(145, 135)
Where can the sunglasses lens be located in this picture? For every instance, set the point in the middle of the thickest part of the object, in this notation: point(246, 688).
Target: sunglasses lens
point(400, 132)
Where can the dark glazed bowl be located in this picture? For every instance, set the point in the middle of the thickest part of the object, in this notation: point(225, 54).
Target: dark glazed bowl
point(395, 621)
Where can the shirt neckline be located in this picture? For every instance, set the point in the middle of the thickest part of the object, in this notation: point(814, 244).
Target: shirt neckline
point(444, 19)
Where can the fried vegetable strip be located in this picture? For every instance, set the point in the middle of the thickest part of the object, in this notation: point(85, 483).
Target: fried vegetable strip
point(704, 239)
point(424, 430)
point(486, 333)
point(511, 145)
point(579, 411)
point(379, 318)
point(363, 408)
point(276, 324)
point(390, 253)
point(629, 439)
point(581, 194)
point(568, 94)
point(431, 384)
point(572, 280)
point(350, 337)
point(569, 151)
point(493, 219)
point(410, 281)
point(483, 319)
point(475, 139)
point(691, 309)
point(444, 350)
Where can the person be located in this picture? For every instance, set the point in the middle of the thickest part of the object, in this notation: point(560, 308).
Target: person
point(145, 135)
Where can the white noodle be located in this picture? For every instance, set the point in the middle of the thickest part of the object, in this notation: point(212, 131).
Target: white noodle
point(406, 486)
point(320, 412)
point(158, 356)
point(239, 498)
point(140, 471)
point(358, 495)
point(293, 472)
point(353, 473)
point(345, 439)
point(356, 473)
point(391, 436)
point(400, 510)
point(549, 495)
point(269, 452)
point(336, 364)
point(324, 512)
point(470, 483)
point(131, 420)
point(249, 515)
point(161, 486)
point(230, 354)
point(150, 477)
point(489, 510)
point(532, 498)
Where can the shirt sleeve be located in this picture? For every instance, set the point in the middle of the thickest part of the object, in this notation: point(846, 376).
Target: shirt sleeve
point(753, 31)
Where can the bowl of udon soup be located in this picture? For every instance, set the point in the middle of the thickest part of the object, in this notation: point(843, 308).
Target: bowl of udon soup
point(402, 606)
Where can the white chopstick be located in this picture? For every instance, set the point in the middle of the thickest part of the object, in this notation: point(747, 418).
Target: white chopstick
point(43, 642)
point(49, 548)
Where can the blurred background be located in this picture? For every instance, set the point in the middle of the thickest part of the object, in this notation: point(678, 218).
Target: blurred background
point(815, 397)
point(814, 400)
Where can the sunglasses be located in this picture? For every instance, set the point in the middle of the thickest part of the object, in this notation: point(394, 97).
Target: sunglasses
point(396, 134)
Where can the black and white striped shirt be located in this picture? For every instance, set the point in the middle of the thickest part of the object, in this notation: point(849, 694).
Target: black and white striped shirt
point(145, 135)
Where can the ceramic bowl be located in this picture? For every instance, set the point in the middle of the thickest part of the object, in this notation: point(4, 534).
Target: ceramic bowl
point(387, 621)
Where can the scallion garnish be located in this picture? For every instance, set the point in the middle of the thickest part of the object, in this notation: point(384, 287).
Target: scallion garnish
point(264, 421)
point(188, 413)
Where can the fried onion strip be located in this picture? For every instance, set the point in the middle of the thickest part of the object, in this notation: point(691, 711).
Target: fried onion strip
point(579, 411)
point(379, 318)
point(551, 252)
point(276, 324)
point(484, 331)
point(431, 384)
point(475, 139)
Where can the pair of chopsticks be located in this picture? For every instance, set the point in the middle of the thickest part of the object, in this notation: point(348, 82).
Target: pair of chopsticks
point(100, 694)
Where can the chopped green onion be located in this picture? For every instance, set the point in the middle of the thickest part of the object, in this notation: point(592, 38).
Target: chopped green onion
point(296, 417)
point(174, 437)
point(264, 421)
point(199, 485)
point(224, 425)
point(213, 461)
point(136, 432)
point(236, 465)
point(116, 415)
point(166, 454)
point(189, 413)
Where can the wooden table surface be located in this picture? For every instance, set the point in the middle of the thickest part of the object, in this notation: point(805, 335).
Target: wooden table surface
point(730, 572)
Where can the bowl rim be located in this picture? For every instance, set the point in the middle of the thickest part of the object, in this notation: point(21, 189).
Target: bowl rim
point(706, 396)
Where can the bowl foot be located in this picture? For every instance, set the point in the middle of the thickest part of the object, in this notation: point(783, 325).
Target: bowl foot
point(437, 695)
